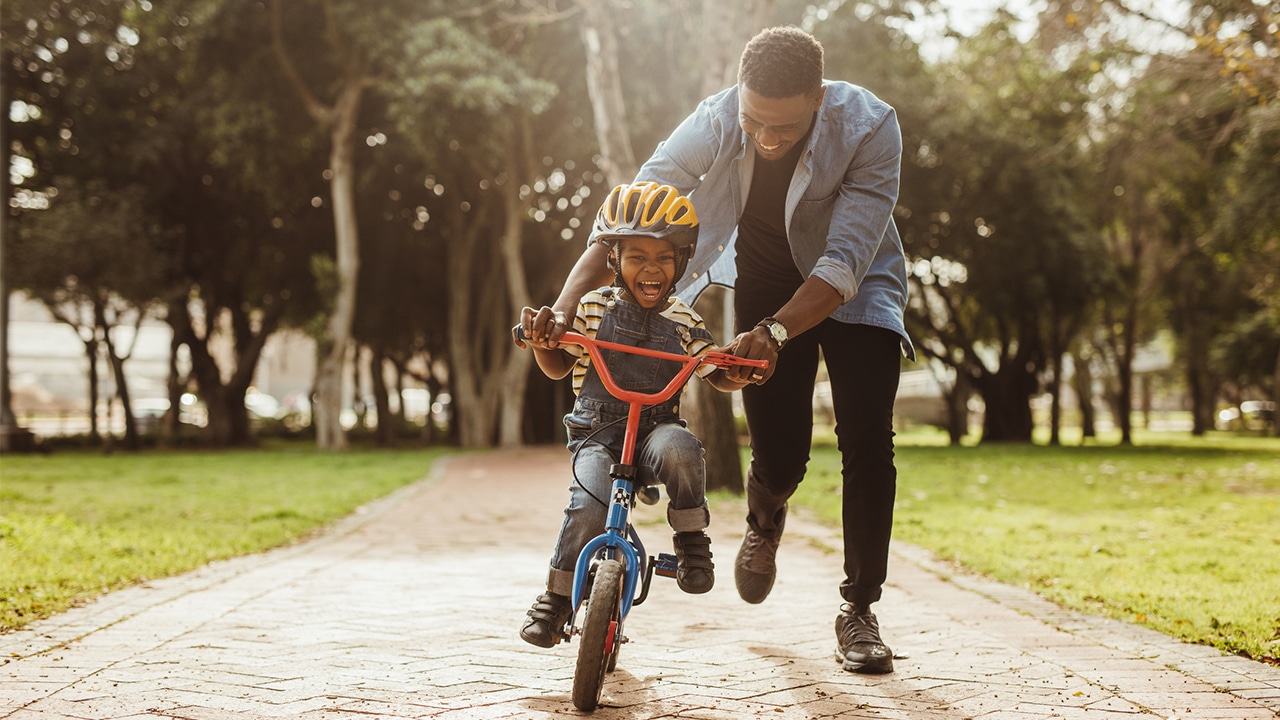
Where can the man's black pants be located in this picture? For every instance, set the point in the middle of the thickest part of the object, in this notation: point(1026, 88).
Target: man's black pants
point(863, 364)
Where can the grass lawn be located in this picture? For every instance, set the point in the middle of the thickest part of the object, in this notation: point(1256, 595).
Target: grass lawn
point(1178, 534)
point(76, 524)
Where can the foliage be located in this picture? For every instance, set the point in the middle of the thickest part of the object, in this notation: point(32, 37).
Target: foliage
point(1089, 185)
point(1176, 537)
point(998, 245)
point(76, 525)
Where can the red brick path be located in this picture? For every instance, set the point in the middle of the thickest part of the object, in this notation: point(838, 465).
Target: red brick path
point(409, 609)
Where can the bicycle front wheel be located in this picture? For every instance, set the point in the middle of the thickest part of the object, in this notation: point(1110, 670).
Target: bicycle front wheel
point(599, 635)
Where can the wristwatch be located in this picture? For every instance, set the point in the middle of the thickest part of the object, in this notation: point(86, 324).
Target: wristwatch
point(777, 330)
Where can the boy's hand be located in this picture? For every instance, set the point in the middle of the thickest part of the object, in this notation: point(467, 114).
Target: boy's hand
point(542, 328)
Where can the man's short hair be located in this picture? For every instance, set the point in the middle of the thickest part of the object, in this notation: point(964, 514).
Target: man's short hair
point(782, 62)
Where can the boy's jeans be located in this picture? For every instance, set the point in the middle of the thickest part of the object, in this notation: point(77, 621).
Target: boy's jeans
point(676, 457)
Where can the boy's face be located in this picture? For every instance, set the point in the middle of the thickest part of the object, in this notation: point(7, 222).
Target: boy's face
point(648, 268)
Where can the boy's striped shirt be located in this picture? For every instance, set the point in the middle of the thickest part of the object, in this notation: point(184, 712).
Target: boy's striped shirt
point(694, 336)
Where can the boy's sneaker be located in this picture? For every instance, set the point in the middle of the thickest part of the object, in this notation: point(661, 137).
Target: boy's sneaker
point(695, 573)
point(547, 618)
point(755, 567)
point(858, 644)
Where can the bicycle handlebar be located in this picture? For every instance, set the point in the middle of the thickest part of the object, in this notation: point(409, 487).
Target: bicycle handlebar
point(594, 347)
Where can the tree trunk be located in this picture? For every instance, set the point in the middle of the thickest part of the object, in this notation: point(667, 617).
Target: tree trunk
point(1199, 377)
point(330, 434)
point(1082, 383)
point(224, 402)
point(1007, 395)
point(958, 407)
point(9, 430)
point(473, 403)
point(117, 368)
point(173, 420)
point(1275, 399)
point(604, 86)
point(513, 362)
point(709, 412)
point(91, 354)
point(1055, 407)
point(387, 427)
point(1122, 402)
point(7, 419)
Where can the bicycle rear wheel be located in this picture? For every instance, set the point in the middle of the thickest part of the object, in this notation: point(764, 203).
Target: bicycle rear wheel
point(599, 635)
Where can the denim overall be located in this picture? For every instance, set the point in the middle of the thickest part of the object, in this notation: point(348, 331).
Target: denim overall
point(664, 446)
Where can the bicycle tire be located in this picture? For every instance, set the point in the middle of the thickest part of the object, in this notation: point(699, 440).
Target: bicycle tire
point(599, 635)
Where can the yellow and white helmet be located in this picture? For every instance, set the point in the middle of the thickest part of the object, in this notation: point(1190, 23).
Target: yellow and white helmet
point(650, 210)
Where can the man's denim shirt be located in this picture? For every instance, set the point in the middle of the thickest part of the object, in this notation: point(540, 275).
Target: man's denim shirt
point(839, 210)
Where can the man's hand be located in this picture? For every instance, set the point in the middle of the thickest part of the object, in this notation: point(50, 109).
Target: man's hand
point(755, 344)
point(542, 328)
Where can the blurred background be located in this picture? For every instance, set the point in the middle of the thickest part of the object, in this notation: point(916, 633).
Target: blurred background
point(227, 220)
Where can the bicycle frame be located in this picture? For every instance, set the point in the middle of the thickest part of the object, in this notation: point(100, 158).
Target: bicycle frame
point(618, 551)
point(619, 536)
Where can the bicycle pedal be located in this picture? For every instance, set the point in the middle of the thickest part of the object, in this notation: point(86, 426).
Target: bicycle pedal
point(665, 565)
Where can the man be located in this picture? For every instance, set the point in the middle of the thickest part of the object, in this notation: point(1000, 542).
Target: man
point(794, 179)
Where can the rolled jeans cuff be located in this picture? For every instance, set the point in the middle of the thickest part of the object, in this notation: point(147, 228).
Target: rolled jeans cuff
point(689, 519)
point(560, 582)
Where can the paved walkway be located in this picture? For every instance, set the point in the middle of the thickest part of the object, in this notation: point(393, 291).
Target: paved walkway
point(409, 609)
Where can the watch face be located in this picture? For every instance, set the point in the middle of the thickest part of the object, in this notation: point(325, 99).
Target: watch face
point(779, 333)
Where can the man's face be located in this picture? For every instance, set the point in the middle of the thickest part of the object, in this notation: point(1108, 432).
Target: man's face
point(648, 268)
point(775, 125)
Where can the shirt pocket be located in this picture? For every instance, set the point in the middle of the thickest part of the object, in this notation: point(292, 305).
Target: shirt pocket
point(809, 227)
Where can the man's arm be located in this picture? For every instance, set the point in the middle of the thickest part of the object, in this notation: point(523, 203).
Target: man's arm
point(810, 305)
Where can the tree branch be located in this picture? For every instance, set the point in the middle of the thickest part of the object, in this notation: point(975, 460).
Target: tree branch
point(315, 108)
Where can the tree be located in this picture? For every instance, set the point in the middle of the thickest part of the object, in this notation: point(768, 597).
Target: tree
point(505, 187)
point(91, 258)
point(352, 73)
point(992, 223)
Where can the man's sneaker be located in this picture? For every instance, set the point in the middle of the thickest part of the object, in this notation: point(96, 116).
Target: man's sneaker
point(695, 573)
point(547, 618)
point(754, 568)
point(858, 644)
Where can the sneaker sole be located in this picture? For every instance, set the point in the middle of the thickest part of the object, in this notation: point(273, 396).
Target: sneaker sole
point(874, 667)
point(537, 642)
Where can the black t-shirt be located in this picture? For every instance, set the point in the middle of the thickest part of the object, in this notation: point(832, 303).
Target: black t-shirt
point(764, 261)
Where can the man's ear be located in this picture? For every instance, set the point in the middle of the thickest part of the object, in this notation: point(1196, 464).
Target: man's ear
point(817, 100)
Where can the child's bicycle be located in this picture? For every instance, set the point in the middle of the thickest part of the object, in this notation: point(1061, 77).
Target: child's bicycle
point(613, 564)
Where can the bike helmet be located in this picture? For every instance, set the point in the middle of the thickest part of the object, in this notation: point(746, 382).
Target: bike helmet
point(647, 209)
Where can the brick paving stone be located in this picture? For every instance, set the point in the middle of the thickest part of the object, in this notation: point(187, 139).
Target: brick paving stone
point(409, 609)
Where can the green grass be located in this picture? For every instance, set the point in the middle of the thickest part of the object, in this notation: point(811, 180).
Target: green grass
point(1179, 534)
point(74, 525)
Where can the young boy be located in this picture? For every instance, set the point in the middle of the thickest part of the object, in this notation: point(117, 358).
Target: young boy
point(651, 230)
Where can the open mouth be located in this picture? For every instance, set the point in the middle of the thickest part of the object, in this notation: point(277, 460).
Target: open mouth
point(650, 290)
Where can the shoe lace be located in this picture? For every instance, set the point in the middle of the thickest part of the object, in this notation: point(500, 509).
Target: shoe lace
point(758, 552)
point(859, 626)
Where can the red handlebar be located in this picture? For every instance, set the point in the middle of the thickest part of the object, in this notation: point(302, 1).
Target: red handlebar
point(638, 399)
point(593, 347)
